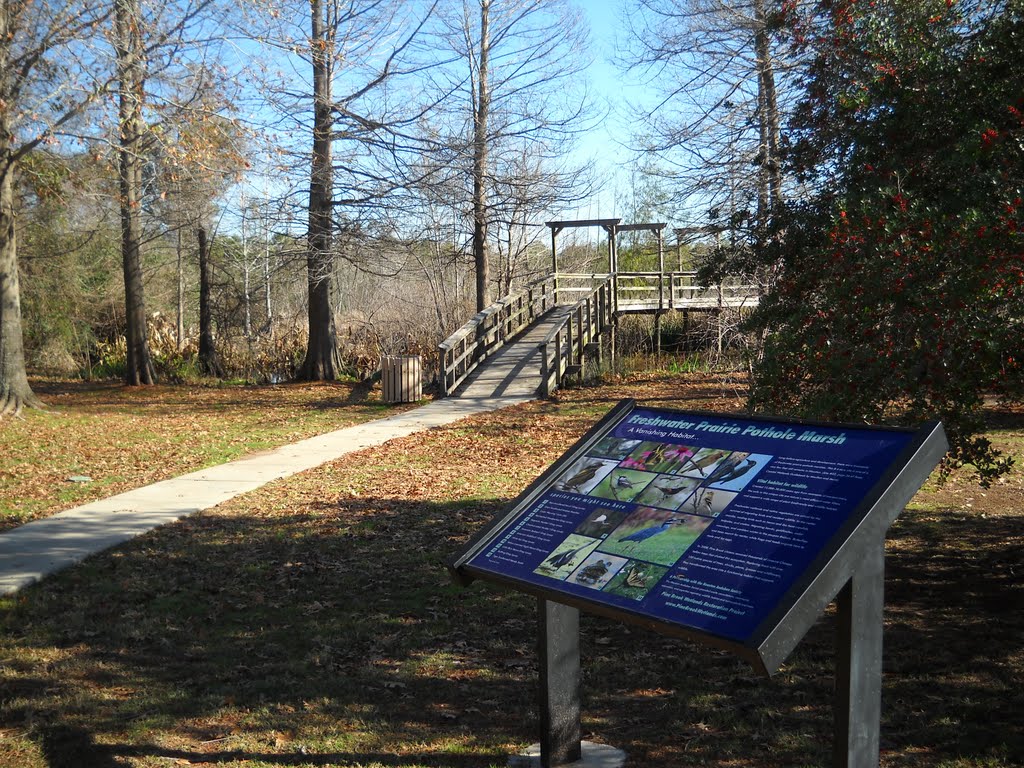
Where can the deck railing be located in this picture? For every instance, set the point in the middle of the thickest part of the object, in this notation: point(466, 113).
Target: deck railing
point(489, 330)
point(564, 347)
point(655, 291)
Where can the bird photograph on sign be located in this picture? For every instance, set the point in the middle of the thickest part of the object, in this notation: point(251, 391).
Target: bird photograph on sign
point(635, 579)
point(659, 457)
point(655, 535)
point(584, 474)
point(704, 462)
point(597, 570)
point(709, 502)
point(616, 448)
point(623, 485)
point(567, 556)
point(668, 491)
point(741, 471)
point(600, 522)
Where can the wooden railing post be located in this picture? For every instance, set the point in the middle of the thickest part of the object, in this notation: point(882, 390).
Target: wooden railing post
point(558, 359)
point(545, 371)
point(580, 330)
point(590, 319)
point(571, 334)
point(721, 330)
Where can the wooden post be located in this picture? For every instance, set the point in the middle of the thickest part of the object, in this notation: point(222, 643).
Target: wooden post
point(661, 272)
point(858, 702)
point(580, 334)
point(613, 261)
point(558, 359)
point(545, 372)
point(554, 265)
point(612, 340)
point(721, 329)
point(590, 319)
point(559, 647)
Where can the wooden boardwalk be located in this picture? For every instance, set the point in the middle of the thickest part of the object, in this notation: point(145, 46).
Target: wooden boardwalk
point(526, 342)
point(515, 369)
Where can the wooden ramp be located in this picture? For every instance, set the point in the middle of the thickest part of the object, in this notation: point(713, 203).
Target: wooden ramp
point(514, 371)
point(524, 344)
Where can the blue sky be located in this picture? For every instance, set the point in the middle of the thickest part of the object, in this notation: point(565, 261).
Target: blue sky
point(613, 91)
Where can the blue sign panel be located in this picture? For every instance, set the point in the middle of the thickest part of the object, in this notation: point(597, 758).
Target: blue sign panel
point(695, 520)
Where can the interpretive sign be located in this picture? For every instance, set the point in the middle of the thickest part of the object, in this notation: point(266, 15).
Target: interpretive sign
point(714, 527)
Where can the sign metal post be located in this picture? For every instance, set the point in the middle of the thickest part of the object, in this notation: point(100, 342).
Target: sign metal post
point(858, 703)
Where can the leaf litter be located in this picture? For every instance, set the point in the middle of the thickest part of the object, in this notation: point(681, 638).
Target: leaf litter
point(312, 623)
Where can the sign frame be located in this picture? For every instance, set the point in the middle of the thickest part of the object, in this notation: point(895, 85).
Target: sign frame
point(821, 580)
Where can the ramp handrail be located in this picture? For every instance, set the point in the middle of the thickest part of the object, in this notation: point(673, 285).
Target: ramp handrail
point(488, 330)
point(566, 342)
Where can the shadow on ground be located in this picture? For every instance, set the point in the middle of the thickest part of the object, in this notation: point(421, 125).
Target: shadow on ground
point(326, 632)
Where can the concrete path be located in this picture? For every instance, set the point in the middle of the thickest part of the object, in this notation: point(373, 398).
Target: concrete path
point(36, 549)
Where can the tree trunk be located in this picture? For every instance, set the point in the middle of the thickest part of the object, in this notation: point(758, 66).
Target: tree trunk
point(770, 181)
point(322, 361)
point(769, 184)
point(139, 369)
point(208, 361)
point(180, 324)
point(266, 284)
point(15, 392)
point(481, 112)
point(246, 288)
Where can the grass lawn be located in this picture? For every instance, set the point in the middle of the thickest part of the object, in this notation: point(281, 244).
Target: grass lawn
point(123, 438)
point(311, 623)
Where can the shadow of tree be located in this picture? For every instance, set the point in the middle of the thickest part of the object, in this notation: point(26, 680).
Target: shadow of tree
point(320, 632)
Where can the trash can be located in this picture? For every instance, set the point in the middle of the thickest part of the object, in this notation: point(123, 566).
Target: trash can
point(401, 378)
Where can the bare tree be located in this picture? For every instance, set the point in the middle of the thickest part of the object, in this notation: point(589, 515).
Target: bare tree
point(131, 77)
point(517, 87)
point(149, 42)
point(51, 74)
point(353, 59)
point(199, 154)
point(322, 360)
point(525, 190)
point(480, 90)
point(716, 64)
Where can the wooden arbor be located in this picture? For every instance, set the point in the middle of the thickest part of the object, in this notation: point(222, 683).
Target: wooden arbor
point(642, 282)
point(613, 227)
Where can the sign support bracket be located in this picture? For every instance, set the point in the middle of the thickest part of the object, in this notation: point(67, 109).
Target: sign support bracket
point(559, 652)
point(858, 703)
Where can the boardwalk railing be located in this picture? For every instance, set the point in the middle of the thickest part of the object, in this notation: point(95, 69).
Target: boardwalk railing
point(595, 298)
point(563, 349)
point(655, 291)
point(491, 328)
